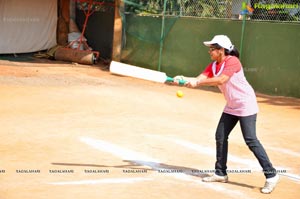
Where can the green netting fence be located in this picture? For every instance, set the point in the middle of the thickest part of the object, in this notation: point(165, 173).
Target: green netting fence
point(161, 15)
point(168, 35)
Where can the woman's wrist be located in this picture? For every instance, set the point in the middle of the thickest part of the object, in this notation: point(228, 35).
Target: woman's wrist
point(200, 82)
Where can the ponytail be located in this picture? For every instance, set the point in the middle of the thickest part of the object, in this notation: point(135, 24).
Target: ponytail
point(233, 52)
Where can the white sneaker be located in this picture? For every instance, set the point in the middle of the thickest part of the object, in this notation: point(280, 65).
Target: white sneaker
point(270, 184)
point(215, 178)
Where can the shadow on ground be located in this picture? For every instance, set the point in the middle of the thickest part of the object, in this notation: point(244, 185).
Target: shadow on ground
point(159, 167)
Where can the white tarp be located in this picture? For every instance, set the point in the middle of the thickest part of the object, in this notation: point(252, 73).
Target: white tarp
point(27, 25)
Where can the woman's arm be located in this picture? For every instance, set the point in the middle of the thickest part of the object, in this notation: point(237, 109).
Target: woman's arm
point(202, 81)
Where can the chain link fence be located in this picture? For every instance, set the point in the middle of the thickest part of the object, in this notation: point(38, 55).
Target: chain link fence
point(275, 10)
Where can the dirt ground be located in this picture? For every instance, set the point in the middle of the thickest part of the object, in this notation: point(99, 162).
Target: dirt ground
point(74, 131)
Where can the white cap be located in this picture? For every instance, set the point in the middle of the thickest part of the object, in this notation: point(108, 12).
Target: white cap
point(221, 40)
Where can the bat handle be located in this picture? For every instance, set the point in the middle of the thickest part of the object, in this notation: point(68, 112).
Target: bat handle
point(181, 81)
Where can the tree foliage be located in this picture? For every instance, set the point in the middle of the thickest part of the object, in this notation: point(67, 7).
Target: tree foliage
point(204, 8)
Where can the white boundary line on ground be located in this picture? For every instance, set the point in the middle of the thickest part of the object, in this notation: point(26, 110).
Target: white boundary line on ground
point(251, 164)
point(284, 151)
point(116, 150)
point(211, 152)
point(254, 166)
point(126, 154)
point(103, 181)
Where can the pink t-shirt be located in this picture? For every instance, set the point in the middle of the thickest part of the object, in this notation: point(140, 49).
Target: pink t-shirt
point(240, 96)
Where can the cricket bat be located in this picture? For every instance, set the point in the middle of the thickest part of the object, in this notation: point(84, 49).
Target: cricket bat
point(141, 73)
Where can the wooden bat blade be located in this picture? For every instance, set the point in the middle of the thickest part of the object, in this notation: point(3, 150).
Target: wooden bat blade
point(137, 72)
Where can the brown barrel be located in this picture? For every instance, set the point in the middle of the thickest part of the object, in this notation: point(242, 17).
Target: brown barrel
point(74, 55)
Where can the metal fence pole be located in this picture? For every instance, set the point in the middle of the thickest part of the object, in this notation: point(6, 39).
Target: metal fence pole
point(162, 35)
point(244, 11)
point(242, 37)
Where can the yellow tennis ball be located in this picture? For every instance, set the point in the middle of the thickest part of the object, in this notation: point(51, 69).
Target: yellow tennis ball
point(179, 93)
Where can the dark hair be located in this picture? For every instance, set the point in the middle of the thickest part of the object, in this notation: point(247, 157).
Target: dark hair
point(233, 52)
point(216, 46)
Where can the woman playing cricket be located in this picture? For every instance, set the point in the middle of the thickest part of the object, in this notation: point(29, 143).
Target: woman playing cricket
point(227, 74)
